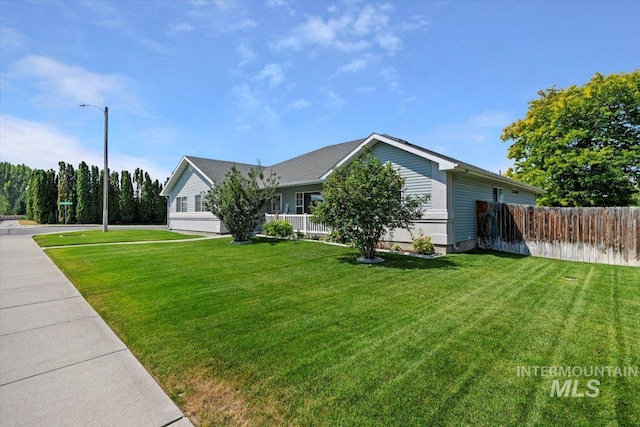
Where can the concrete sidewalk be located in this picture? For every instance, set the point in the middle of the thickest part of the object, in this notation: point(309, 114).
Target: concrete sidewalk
point(60, 364)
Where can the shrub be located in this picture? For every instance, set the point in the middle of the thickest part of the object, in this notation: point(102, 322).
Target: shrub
point(280, 228)
point(396, 248)
point(364, 200)
point(422, 244)
point(239, 200)
point(335, 236)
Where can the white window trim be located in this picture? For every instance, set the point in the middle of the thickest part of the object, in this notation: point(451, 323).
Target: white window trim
point(302, 193)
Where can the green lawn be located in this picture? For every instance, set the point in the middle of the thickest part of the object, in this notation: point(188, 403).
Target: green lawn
point(90, 237)
point(297, 333)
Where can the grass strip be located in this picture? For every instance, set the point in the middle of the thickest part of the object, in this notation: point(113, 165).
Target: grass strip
point(297, 333)
point(90, 237)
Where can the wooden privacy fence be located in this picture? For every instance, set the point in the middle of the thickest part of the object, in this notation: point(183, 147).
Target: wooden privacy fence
point(598, 235)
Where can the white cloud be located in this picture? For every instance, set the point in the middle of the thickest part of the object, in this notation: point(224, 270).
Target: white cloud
point(272, 74)
point(59, 84)
point(388, 42)
point(180, 28)
point(269, 115)
point(391, 77)
point(245, 96)
point(352, 30)
point(285, 4)
point(479, 130)
point(276, 3)
point(366, 89)
point(246, 54)
point(225, 4)
point(245, 24)
point(22, 138)
point(334, 101)
point(299, 104)
point(11, 40)
point(357, 64)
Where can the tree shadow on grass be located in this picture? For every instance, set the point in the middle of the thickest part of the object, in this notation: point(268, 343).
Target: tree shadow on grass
point(259, 240)
point(498, 254)
point(405, 262)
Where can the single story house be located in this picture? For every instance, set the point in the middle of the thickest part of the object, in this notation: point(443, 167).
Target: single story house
point(449, 216)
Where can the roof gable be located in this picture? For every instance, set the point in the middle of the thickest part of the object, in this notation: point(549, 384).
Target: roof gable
point(314, 165)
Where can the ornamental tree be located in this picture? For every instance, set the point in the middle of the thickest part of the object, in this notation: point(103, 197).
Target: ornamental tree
point(364, 200)
point(239, 200)
point(581, 144)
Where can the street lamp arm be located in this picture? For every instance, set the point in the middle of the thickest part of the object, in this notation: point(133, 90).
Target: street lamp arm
point(93, 106)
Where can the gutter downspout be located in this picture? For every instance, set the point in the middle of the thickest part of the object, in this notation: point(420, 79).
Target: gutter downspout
point(168, 211)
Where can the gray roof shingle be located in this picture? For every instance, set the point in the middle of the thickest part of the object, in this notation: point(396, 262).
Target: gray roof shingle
point(216, 169)
point(311, 166)
point(307, 167)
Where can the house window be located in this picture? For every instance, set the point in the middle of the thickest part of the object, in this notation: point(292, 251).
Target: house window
point(497, 195)
point(514, 191)
point(198, 202)
point(299, 203)
point(276, 203)
point(304, 201)
point(181, 204)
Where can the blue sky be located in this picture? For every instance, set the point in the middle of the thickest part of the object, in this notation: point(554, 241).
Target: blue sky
point(268, 80)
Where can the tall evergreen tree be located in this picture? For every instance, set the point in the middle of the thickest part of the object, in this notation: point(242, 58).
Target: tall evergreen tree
point(13, 187)
point(66, 192)
point(114, 198)
point(83, 194)
point(146, 200)
point(96, 195)
point(73, 198)
point(50, 195)
point(138, 179)
point(42, 196)
point(160, 206)
point(62, 190)
point(127, 207)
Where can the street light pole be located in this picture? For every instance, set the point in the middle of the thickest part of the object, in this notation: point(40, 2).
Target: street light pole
point(105, 183)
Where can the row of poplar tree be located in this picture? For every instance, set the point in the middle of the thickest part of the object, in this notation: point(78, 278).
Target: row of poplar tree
point(75, 196)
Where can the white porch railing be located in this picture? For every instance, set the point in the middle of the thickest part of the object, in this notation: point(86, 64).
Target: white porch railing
point(300, 222)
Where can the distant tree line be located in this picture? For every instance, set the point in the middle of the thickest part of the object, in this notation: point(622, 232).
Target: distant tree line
point(13, 188)
point(37, 194)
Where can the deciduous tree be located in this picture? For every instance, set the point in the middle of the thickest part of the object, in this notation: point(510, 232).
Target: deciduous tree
point(239, 200)
point(581, 144)
point(364, 200)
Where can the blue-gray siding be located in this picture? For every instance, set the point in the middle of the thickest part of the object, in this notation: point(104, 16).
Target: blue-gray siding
point(467, 191)
point(190, 184)
point(289, 195)
point(414, 169)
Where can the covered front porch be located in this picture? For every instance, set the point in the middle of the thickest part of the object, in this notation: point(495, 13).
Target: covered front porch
point(301, 223)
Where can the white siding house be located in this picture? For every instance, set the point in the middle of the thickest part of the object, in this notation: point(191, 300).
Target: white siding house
point(449, 215)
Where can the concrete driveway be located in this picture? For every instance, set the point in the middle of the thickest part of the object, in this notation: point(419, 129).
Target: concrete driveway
point(60, 364)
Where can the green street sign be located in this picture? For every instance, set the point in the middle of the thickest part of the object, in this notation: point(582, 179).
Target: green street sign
point(65, 203)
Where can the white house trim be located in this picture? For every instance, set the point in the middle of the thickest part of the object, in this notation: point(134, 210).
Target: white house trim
point(175, 175)
point(443, 164)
